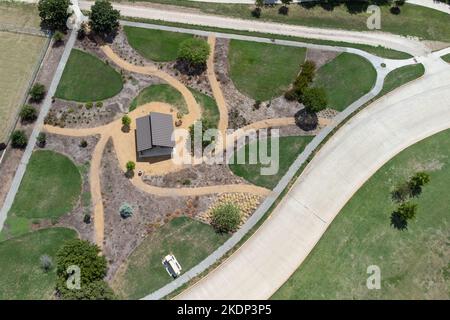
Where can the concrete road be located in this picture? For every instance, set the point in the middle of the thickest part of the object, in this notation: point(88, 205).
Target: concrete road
point(391, 124)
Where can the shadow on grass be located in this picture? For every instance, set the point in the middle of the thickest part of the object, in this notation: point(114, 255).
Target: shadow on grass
point(398, 222)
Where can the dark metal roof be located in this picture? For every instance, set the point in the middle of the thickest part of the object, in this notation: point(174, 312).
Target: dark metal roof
point(162, 128)
point(154, 130)
point(143, 134)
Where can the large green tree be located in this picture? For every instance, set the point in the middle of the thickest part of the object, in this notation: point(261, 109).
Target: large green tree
point(104, 19)
point(92, 266)
point(54, 13)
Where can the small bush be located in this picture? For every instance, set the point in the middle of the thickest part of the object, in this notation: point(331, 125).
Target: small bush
point(19, 139)
point(395, 10)
point(58, 37)
point(226, 218)
point(126, 122)
point(87, 218)
point(283, 10)
point(130, 166)
point(83, 144)
point(126, 210)
point(37, 92)
point(306, 121)
point(99, 104)
point(46, 263)
point(28, 113)
point(186, 182)
point(256, 13)
point(192, 56)
point(89, 105)
point(41, 139)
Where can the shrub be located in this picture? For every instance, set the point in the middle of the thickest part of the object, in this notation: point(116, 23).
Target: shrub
point(104, 19)
point(305, 120)
point(226, 218)
point(283, 10)
point(314, 99)
point(126, 122)
point(84, 255)
point(37, 92)
point(89, 105)
point(406, 211)
point(308, 70)
point(46, 263)
point(99, 104)
point(126, 210)
point(19, 139)
point(41, 139)
point(58, 37)
point(130, 165)
point(256, 13)
point(81, 33)
point(399, 2)
point(416, 182)
point(87, 218)
point(2, 146)
point(83, 144)
point(28, 113)
point(192, 56)
point(395, 10)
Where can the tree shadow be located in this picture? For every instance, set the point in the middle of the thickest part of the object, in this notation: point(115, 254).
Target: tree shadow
point(398, 222)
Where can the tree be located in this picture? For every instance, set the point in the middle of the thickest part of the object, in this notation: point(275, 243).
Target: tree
point(226, 218)
point(19, 139)
point(54, 13)
point(192, 56)
point(37, 92)
point(314, 99)
point(417, 181)
point(28, 113)
point(407, 210)
point(85, 256)
point(104, 19)
point(126, 122)
point(41, 139)
point(305, 120)
point(126, 210)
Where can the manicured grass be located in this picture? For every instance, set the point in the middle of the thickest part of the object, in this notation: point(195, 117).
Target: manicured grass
point(289, 149)
point(209, 107)
point(446, 58)
point(50, 187)
point(189, 240)
point(161, 93)
point(409, 22)
point(263, 71)
point(379, 50)
point(414, 263)
point(156, 45)
point(87, 78)
point(345, 79)
point(401, 76)
point(22, 276)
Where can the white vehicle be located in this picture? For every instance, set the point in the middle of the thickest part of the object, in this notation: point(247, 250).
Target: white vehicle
point(172, 266)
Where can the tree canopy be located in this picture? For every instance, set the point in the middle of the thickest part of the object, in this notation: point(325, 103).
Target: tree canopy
point(104, 19)
point(54, 13)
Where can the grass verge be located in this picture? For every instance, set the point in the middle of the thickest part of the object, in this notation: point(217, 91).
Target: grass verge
point(400, 76)
point(161, 93)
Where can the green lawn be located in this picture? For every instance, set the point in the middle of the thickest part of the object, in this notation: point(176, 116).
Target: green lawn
point(411, 20)
point(87, 78)
point(156, 45)
point(189, 240)
point(446, 58)
point(161, 93)
point(50, 188)
point(290, 148)
point(209, 107)
point(345, 79)
point(263, 71)
point(401, 76)
point(414, 263)
point(22, 276)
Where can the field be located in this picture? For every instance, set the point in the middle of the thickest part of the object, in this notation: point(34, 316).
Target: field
point(414, 263)
point(345, 79)
point(156, 45)
point(263, 71)
point(88, 79)
point(50, 187)
point(19, 55)
point(22, 276)
point(290, 148)
point(189, 240)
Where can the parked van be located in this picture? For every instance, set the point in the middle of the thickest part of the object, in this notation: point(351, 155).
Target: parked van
point(172, 266)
